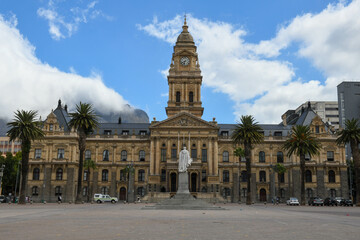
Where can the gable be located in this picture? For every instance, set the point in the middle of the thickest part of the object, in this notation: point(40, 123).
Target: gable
point(182, 120)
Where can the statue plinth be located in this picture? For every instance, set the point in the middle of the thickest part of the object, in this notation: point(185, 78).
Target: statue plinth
point(183, 187)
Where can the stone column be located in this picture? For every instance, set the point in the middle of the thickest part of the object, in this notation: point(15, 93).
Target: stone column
point(199, 149)
point(70, 184)
point(210, 160)
point(320, 183)
point(235, 187)
point(216, 158)
point(157, 157)
point(152, 157)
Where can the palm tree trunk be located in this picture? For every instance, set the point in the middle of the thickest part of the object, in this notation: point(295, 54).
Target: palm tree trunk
point(88, 184)
point(278, 195)
point(82, 139)
point(248, 172)
point(24, 170)
point(302, 175)
point(356, 157)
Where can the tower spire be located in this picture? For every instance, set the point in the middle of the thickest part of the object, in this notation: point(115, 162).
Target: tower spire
point(185, 19)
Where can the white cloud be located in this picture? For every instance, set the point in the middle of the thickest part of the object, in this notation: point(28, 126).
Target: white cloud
point(32, 84)
point(61, 26)
point(251, 74)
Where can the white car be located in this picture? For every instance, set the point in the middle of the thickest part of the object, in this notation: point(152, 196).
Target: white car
point(292, 201)
point(100, 198)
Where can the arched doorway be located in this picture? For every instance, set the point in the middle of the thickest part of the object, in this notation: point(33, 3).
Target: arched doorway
point(193, 182)
point(262, 195)
point(173, 182)
point(122, 194)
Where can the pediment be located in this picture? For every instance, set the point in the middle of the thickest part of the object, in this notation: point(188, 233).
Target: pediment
point(183, 120)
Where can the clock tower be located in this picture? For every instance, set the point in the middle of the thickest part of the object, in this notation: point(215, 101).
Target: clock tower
point(184, 77)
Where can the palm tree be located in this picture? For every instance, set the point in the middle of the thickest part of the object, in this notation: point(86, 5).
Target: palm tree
point(351, 134)
point(279, 169)
point(25, 128)
point(128, 171)
point(89, 164)
point(300, 143)
point(85, 120)
point(247, 132)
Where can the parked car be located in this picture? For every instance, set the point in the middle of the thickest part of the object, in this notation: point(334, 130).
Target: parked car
point(100, 198)
point(292, 201)
point(316, 201)
point(330, 202)
point(2, 199)
point(339, 199)
point(346, 202)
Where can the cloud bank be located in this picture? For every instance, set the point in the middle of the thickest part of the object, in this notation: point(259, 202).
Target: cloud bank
point(255, 78)
point(27, 83)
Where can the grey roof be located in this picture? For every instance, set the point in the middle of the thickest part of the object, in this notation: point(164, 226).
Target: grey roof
point(3, 127)
point(268, 128)
point(137, 127)
point(63, 118)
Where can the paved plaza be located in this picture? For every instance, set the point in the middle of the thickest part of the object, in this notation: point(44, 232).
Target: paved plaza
point(129, 221)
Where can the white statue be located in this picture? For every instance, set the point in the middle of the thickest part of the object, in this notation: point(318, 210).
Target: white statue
point(184, 160)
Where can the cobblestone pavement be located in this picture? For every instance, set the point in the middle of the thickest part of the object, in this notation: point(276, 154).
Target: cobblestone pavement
point(128, 221)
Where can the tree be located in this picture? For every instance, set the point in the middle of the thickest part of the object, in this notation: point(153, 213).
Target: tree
point(11, 166)
point(248, 133)
point(279, 169)
point(300, 143)
point(84, 120)
point(89, 164)
point(351, 134)
point(25, 128)
point(128, 171)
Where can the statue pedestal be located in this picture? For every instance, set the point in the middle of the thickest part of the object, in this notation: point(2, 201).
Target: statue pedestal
point(183, 187)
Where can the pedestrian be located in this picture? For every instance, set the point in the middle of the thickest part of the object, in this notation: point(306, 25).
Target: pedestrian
point(59, 199)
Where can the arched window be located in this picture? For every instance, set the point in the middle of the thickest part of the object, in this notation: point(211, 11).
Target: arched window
point(331, 176)
point(105, 190)
point(282, 177)
point(226, 177)
point(123, 155)
point(203, 175)
point(141, 191)
point(308, 176)
point(86, 175)
point(59, 174)
point(142, 155)
point(309, 192)
point(163, 175)
point(105, 175)
point(262, 176)
point(280, 157)
point(177, 96)
point(204, 189)
point(332, 193)
point(57, 191)
point(243, 176)
point(141, 175)
point(84, 192)
point(87, 155)
point(282, 192)
point(225, 156)
point(191, 97)
point(262, 156)
point(35, 191)
point(36, 174)
point(106, 155)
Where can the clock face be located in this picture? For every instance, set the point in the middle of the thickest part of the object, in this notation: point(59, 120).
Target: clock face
point(184, 61)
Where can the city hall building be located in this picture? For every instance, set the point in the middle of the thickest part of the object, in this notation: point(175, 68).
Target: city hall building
point(152, 149)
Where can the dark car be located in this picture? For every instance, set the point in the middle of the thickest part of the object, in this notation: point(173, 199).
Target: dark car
point(316, 201)
point(2, 199)
point(346, 202)
point(330, 202)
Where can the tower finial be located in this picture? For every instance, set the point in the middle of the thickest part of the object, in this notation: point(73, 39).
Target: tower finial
point(185, 19)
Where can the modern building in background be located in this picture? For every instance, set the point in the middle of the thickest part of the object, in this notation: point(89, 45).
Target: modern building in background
point(327, 110)
point(349, 101)
point(152, 151)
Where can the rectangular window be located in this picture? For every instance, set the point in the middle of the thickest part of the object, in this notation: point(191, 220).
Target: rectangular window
point(203, 175)
point(51, 127)
point(107, 132)
point(278, 134)
point(173, 153)
point(87, 155)
point(307, 157)
point(85, 191)
point(282, 178)
point(142, 133)
point(330, 156)
point(125, 132)
point(194, 154)
point(163, 155)
point(38, 153)
point(85, 175)
point(61, 153)
point(204, 155)
point(317, 129)
point(224, 133)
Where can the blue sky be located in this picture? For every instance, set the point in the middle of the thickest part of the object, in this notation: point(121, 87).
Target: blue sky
point(257, 57)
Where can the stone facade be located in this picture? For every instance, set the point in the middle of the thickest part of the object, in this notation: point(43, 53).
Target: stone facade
point(151, 150)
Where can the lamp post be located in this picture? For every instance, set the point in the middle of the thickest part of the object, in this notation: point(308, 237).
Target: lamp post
point(1, 175)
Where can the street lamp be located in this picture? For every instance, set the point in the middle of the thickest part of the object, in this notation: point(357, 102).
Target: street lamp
point(1, 175)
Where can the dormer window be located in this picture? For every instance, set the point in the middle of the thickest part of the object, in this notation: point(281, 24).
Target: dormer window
point(224, 133)
point(143, 133)
point(278, 134)
point(107, 132)
point(317, 129)
point(51, 127)
point(125, 132)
